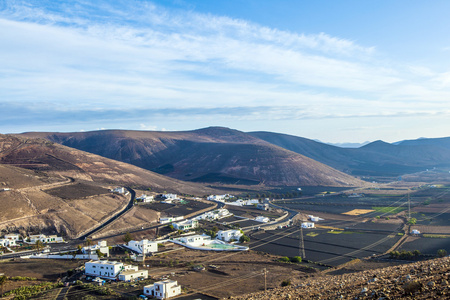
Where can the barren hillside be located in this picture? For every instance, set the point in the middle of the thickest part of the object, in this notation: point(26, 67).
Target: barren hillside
point(206, 155)
point(52, 188)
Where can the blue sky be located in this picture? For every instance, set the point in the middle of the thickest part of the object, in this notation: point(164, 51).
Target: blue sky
point(337, 71)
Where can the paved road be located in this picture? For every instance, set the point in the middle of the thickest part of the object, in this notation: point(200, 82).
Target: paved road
point(129, 206)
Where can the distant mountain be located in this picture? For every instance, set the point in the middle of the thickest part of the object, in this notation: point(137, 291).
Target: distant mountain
point(349, 145)
point(213, 154)
point(374, 159)
point(438, 142)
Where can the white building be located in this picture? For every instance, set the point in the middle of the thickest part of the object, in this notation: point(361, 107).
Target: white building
point(45, 238)
point(308, 225)
point(102, 246)
point(262, 206)
point(215, 214)
point(144, 198)
point(415, 232)
point(196, 240)
point(103, 268)
point(185, 225)
point(163, 289)
point(262, 219)
point(241, 202)
point(217, 197)
point(113, 269)
point(7, 243)
point(170, 196)
point(170, 219)
point(228, 235)
point(12, 236)
point(130, 275)
point(144, 246)
point(120, 190)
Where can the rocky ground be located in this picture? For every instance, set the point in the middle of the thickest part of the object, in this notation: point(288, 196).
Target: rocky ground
point(420, 280)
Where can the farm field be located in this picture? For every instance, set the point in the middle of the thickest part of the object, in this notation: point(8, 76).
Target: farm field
point(324, 246)
point(76, 191)
point(178, 209)
point(426, 245)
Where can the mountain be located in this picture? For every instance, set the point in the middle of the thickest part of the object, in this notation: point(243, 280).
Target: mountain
point(54, 159)
point(437, 142)
point(377, 158)
point(47, 187)
point(213, 154)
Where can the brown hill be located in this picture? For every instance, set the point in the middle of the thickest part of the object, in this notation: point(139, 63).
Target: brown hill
point(212, 154)
point(54, 159)
point(53, 188)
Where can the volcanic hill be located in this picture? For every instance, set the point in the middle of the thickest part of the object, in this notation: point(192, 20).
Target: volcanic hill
point(213, 154)
point(51, 187)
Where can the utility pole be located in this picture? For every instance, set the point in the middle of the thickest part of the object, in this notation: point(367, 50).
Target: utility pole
point(265, 279)
point(301, 247)
point(409, 207)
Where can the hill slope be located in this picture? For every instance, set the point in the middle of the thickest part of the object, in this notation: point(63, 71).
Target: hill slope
point(47, 187)
point(208, 155)
point(377, 158)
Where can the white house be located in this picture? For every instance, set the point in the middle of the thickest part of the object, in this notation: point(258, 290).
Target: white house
point(241, 202)
point(415, 232)
point(120, 190)
point(170, 196)
point(130, 275)
point(144, 198)
point(12, 236)
point(216, 197)
point(195, 240)
point(102, 246)
point(113, 269)
point(45, 238)
point(170, 219)
point(262, 206)
point(228, 235)
point(262, 219)
point(214, 215)
point(103, 268)
point(163, 289)
point(308, 225)
point(185, 225)
point(7, 243)
point(144, 246)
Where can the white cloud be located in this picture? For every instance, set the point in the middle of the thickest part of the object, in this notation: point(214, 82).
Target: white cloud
point(140, 56)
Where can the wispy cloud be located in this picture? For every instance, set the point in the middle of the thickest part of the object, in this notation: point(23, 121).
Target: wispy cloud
point(122, 59)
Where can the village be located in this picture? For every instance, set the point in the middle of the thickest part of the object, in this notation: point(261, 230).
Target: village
point(199, 233)
point(198, 247)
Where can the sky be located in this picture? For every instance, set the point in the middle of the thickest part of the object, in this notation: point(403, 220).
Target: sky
point(335, 71)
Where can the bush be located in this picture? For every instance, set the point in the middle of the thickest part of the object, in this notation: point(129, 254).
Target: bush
point(244, 239)
point(285, 259)
point(286, 282)
point(441, 253)
point(296, 259)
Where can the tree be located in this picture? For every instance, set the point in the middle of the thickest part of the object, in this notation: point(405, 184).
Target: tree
point(127, 237)
point(39, 245)
point(3, 280)
point(412, 221)
point(442, 252)
point(88, 242)
point(244, 239)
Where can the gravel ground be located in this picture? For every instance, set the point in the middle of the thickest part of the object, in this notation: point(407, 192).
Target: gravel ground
point(420, 280)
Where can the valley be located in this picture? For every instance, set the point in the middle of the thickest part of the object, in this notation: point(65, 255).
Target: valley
point(343, 225)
